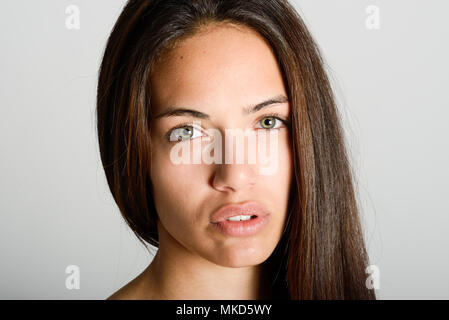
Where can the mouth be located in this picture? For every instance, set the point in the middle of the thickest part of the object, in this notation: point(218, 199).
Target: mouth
point(239, 212)
point(239, 220)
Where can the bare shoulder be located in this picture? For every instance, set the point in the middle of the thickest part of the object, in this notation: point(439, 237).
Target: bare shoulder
point(128, 292)
point(134, 290)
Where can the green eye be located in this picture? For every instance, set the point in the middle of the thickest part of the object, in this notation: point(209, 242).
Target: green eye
point(269, 122)
point(182, 133)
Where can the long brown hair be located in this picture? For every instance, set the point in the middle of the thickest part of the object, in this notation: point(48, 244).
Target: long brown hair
point(322, 253)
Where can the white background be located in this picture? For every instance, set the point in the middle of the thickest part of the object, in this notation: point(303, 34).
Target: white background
point(55, 206)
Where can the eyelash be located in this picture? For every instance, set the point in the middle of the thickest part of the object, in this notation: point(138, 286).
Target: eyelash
point(275, 115)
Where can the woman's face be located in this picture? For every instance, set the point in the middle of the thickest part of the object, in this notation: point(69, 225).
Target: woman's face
point(218, 73)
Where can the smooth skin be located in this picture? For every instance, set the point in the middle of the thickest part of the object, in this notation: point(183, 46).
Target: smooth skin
point(219, 71)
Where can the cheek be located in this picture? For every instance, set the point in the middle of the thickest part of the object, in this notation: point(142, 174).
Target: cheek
point(175, 187)
point(278, 187)
point(279, 180)
point(285, 162)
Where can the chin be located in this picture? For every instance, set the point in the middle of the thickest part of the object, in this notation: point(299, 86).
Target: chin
point(238, 256)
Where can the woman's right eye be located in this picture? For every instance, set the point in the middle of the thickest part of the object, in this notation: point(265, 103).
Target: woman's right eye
point(183, 133)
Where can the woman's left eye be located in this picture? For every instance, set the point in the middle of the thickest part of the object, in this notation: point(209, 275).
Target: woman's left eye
point(270, 122)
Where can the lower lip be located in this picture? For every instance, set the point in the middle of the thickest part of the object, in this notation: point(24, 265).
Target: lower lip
point(242, 228)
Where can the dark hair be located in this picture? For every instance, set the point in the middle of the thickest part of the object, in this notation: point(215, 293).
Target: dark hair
point(322, 253)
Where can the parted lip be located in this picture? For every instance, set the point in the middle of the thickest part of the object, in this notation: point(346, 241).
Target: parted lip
point(235, 209)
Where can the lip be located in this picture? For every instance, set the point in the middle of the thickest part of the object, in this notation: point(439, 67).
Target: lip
point(240, 228)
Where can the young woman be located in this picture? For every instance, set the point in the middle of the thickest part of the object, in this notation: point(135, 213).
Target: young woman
point(180, 74)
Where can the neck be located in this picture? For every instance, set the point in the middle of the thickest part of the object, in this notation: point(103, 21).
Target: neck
point(176, 273)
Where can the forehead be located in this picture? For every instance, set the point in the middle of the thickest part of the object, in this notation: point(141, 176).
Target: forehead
point(219, 67)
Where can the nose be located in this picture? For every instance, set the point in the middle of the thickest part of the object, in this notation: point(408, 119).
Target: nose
point(234, 175)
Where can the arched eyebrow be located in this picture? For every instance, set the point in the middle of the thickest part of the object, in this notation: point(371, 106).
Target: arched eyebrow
point(173, 112)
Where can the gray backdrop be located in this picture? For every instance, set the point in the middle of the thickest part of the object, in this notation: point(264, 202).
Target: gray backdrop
point(55, 206)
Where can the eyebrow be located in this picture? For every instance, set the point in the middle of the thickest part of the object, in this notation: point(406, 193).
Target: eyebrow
point(173, 112)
